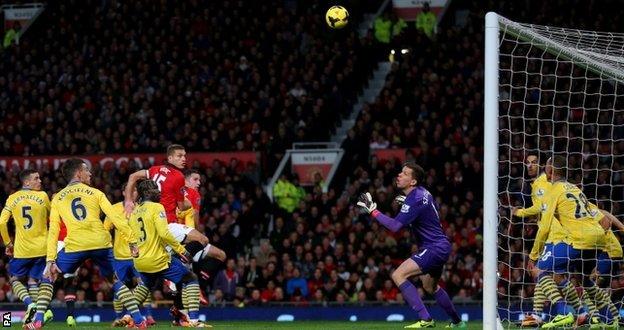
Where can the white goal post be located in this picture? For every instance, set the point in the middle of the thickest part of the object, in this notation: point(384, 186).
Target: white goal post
point(548, 90)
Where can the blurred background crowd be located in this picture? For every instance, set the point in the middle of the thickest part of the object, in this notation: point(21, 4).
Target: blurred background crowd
point(102, 77)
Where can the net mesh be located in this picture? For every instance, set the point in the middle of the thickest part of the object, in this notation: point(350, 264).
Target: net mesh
point(560, 93)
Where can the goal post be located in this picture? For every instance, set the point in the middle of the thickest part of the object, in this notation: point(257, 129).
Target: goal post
point(490, 166)
point(548, 91)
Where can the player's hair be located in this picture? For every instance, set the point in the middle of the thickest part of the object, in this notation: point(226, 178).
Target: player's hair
point(148, 191)
point(532, 153)
point(417, 172)
point(171, 149)
point(559, 165)
point(70, 167)
point(25, 174)
point(190, 172)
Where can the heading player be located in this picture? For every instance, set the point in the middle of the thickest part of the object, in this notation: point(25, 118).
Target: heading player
point(420, 215)
point(149, 222)
point(170, 181)
point(29, 207)
point(80, 206)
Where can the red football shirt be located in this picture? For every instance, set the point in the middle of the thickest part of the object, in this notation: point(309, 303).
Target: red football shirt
point(62, 232)
point(193, 196)
point(170, 181)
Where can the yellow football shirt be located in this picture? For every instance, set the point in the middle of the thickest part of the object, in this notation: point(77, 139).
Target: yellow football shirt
point(30, 210)
point(569, 205)
point(556, 233)
point(613, 247)
point(80, 205)
point(188, 216)
point(121, 247)
point(149, 223)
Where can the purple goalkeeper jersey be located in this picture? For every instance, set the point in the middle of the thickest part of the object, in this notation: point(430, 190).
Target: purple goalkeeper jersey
point(419, 213)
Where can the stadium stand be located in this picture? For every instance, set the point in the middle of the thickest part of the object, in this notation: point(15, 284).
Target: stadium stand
point(157, 76)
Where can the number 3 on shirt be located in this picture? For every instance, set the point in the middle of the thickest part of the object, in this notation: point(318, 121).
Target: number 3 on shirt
point(79, 211)
point(143, 233)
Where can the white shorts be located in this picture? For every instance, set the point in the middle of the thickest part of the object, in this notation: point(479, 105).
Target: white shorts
point(179, 231)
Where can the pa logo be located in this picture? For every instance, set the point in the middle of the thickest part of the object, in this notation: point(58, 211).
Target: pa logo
point(6, 320)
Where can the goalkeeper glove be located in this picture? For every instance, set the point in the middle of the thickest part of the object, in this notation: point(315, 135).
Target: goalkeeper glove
point(366, 202)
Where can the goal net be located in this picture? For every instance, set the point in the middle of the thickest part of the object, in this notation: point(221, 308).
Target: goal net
point(548, 91)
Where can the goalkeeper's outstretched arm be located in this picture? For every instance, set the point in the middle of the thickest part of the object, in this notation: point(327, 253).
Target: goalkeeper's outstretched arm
point(405, 216)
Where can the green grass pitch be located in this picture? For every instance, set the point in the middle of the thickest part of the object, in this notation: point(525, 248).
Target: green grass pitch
point(298, 325)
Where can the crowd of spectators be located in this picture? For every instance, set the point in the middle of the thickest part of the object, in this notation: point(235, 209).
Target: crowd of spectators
point(116, 77)
point(214, 76)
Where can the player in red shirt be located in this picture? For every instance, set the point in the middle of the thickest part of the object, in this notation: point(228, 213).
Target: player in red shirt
point(190, 217)
point(170, 181)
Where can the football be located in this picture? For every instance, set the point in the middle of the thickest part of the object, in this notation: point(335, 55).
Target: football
point(337, 17)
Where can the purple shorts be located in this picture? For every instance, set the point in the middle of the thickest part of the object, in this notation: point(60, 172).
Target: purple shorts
point(431, 260)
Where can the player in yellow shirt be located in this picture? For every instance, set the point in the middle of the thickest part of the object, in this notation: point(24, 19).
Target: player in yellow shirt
point(80, 206)
point(124, 269)
point(610, 258)
point(149, 222)
point(584, 235)
point(539, 187)
point(29, 207)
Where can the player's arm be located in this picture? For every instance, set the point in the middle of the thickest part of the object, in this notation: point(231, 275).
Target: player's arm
point(405, 216)
point(160, 222)
point(188, 216)
point(184, 205)
point(182, 202)
point(535, 209)
point(108, 224)
point(548, 215)
point(53, 233)
point(4, 228)
point(537, 195)
point(117, 220)
point(613, 221)
point(192, 218)
point(132, 180)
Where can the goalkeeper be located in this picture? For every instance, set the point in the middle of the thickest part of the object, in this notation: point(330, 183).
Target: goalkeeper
point(419, 214)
